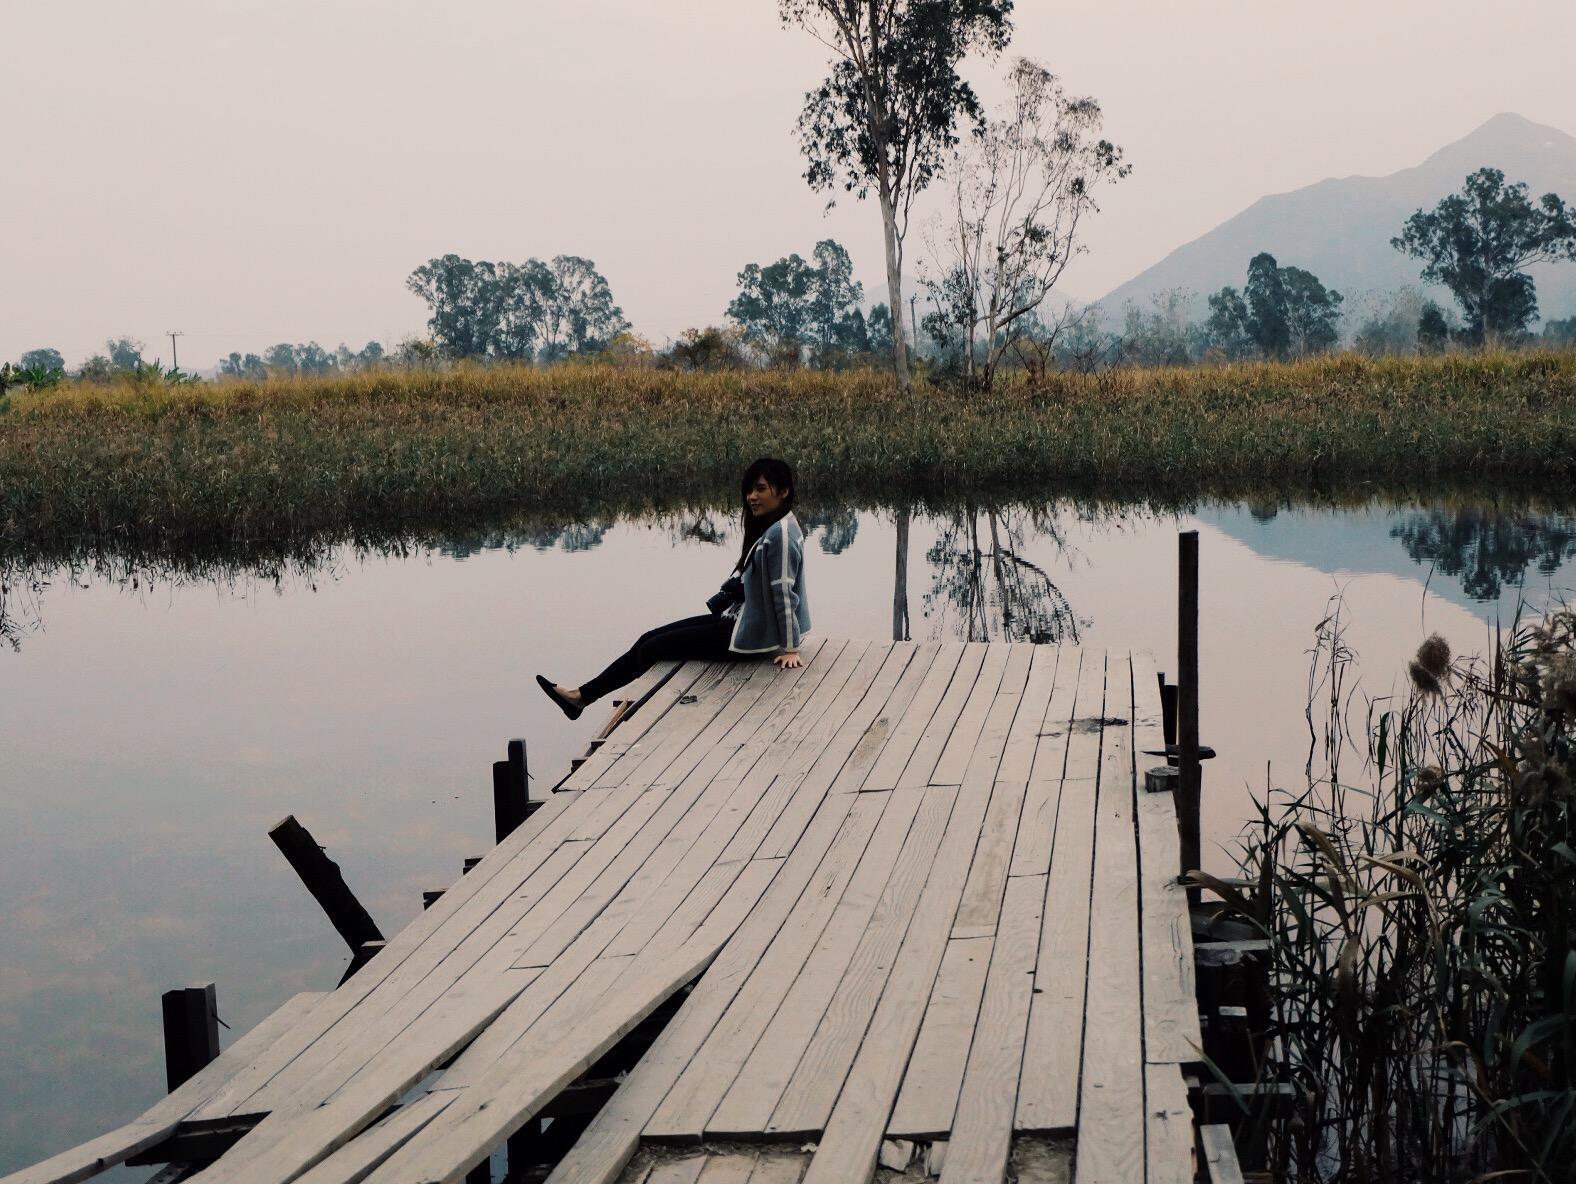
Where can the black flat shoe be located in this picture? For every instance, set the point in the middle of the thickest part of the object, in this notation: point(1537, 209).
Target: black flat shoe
point(564, 705)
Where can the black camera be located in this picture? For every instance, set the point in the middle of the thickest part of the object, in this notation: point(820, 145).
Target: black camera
point(730, 594)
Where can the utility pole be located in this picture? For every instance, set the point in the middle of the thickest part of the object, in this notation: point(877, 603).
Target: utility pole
point(175, 358)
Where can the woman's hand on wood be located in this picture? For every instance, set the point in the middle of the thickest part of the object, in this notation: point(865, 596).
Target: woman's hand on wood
point(788, 660)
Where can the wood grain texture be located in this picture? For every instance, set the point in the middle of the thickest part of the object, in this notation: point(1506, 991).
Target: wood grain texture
point(818, 1077)
point(935, 1072)
point(1171, 1026)
point(982, 1129)
point(1048, 1091)
point(1111, 1086)
point(1168, 1126)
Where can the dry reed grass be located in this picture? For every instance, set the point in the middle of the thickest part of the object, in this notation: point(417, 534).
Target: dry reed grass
point(243, 460)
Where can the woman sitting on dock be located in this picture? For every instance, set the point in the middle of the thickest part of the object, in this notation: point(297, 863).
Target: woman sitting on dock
point(760, 609)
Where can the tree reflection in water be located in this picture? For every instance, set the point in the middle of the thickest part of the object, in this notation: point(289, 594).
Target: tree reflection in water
point(998, 595)
point(1487, 549)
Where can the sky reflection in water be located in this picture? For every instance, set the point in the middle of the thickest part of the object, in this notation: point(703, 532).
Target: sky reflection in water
point(151, 734)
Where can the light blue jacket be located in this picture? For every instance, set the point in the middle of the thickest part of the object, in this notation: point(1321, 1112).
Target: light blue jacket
point(775, 614)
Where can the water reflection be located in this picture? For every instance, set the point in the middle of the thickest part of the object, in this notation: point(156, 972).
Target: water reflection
point(1487, 550)
point(177, 705)
point(986, 590)
point(980, 584)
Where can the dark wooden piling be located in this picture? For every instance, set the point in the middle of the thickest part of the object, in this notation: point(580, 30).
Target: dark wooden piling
point(1189, 778)
point(511, 793)
point(326, 883)
point(191, 1031)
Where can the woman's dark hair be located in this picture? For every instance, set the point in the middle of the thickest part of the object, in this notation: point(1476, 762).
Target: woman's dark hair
point(779, 475)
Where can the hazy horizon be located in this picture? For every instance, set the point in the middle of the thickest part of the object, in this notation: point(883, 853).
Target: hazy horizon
point(259, 172)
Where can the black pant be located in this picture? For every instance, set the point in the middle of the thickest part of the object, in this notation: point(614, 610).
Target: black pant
point(705, 638)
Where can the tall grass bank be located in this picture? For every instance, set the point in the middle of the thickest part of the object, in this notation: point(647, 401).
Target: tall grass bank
point(253, 460)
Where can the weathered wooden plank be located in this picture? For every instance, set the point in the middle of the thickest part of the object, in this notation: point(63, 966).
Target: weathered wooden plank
point(1168, 1126)
point(1048, 1090)
point(415, 950)
point(391, 1015)
point(629, 750)
point(689, 725)
point(1048, 664)
point(729, 1167)
point(933, 737)
point(614, 1134)
point(515, 1088)
point(748, 1103)
point(1220, 1154)
point(645, 716)
point(852, 1134)
point(1171, 1027)
point(159, 1122)
point(935, 1072)
point(1048, 765)
point(354, 1161)
point(916, 720)
point(723, 890)
point(1111, 1089)
point(776, 822)
point(982, 1129)
point(982, 895)
point(856, 712)
point(808, 1097)
point(686, 1170)
point(730, 796)
point(691, 1101)
point(1002, 672)
point(777, 1166)
point(307, 1129)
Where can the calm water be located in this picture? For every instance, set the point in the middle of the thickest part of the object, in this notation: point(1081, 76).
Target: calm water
point(150, 734)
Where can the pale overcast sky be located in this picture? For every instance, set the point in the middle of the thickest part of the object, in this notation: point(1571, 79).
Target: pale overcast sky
point(251, 171)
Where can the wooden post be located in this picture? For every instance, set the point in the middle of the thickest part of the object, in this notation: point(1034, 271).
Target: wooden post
point(191, 1031)
point(324, 881)
point(511, 795)
point(1190, 778)
point(431, 897)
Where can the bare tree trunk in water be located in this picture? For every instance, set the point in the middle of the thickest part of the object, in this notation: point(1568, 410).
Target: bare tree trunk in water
point(900, 580)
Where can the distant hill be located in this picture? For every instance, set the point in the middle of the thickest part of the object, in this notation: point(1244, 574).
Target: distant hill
point(1340, 229)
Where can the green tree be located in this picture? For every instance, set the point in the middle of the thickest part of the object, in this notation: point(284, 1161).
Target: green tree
point(578, 313)
point(1281, 312)
point(835, 297)
point(465, 300)
point(1478, 242)
point(1266, 299)
point(886, 117)
point(250, 366)
point(711, 348)
point(1557, 333)
point(773, 307)
point(1228, 326)
point(1312, 312)
point(43, 361)
point(125, 353)
point(1433, 331)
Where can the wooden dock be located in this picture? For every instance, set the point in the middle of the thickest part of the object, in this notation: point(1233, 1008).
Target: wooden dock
point(910, 904)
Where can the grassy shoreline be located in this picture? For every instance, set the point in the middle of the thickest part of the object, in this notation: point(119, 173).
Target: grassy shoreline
point(226, 461)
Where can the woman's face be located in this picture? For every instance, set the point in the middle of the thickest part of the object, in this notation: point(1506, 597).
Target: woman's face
point(764, 498)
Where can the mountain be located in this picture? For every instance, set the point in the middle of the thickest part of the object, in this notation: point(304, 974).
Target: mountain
point(1340, 229)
